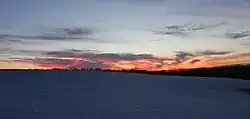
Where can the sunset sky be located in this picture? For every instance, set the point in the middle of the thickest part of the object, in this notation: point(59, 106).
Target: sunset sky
point(143, 34)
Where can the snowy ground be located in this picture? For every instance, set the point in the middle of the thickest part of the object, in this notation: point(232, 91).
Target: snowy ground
point(100, 95)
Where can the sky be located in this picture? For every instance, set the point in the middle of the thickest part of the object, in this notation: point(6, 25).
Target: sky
point(115, 34)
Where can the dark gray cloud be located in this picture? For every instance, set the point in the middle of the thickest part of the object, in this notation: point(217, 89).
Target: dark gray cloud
point(127, 56)
point(176, 27)
point(56, 34)
point(186, 29)
point(194, 61)
point(78, 31)
point(193, 27)
point(101, 56)
point(238, 35)
point(70, 31)
point(182, 56)
point(92, 65)
point(211, 52)
point(171, 33)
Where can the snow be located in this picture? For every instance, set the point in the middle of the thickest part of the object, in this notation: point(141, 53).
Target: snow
point(110, 95)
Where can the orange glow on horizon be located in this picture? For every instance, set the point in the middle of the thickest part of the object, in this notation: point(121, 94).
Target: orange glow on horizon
point(17, 65)
point(141, 64)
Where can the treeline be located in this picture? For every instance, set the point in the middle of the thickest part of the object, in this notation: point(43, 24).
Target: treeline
point(234, 71)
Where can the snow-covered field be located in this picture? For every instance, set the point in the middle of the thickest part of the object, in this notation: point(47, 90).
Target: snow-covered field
point(102, 95)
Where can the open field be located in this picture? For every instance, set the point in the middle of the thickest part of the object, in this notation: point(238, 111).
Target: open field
point(117, 95)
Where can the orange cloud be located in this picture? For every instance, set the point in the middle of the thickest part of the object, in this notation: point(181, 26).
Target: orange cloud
point(182, 60)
